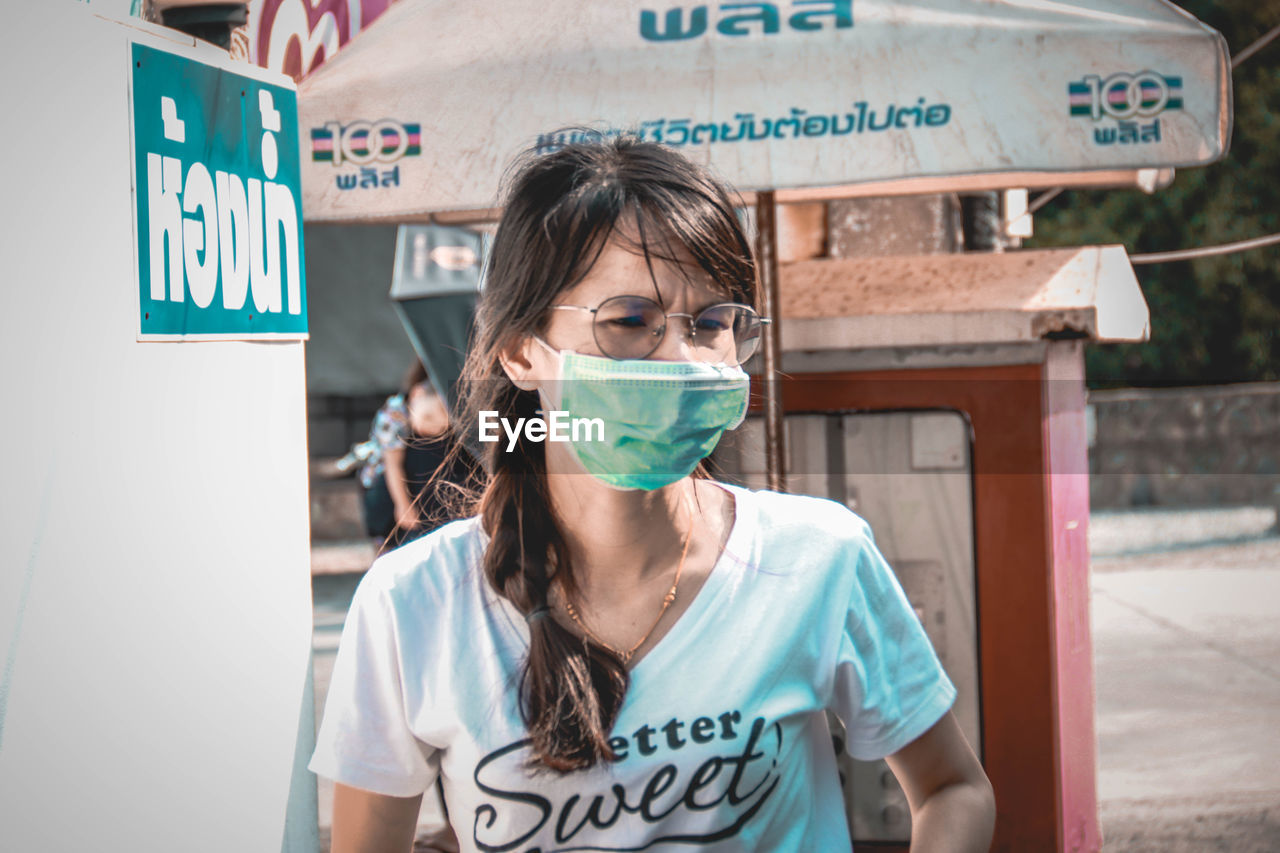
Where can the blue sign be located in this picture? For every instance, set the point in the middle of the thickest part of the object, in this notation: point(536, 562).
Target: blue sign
point(218, 201)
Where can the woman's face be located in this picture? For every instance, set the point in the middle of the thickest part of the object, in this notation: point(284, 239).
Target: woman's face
point(621, 270)
point(427, 412)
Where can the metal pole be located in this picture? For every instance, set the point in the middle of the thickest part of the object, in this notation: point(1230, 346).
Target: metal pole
point(767, 259)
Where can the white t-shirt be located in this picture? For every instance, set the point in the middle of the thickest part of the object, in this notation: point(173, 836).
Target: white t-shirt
point(723, 734)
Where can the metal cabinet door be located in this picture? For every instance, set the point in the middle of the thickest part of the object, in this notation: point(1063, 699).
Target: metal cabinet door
point(909, 474)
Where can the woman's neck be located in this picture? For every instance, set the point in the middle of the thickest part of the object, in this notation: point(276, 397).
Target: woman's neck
point(618, 539)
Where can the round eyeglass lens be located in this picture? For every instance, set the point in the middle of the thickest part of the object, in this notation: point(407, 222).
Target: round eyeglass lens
point(629, 326)
point(726, 332)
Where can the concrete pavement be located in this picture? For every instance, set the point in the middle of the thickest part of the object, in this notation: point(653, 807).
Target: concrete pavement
point(1187, 657)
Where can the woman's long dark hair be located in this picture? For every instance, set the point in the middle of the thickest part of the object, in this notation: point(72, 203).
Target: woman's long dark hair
point(560, 211)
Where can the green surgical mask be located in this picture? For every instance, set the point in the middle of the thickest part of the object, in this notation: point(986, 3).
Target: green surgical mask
point(660, 418)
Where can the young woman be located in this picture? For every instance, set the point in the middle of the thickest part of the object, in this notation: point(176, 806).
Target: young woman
point(618, 653)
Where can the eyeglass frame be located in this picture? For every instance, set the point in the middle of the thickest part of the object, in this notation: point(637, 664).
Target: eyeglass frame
point(666, 315)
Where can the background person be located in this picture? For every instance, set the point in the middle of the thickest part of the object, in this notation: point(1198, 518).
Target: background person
point(410, 439)
point(618, 653)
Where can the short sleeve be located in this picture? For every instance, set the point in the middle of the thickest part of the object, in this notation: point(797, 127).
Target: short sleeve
point(365, 740)
point(889, 685)
point(391, 424)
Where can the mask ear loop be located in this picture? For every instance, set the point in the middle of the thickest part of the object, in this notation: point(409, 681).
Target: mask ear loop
point(552, 401)
point(548, 347)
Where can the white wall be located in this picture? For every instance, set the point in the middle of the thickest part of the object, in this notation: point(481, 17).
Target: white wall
point(155, 607)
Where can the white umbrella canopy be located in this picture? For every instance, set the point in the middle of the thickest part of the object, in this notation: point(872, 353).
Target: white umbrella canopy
point(424, 110)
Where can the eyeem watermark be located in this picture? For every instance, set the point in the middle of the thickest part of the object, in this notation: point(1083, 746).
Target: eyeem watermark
point(557, 426)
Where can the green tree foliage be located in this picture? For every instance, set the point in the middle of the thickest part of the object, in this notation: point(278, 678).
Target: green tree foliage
point(1213, 319)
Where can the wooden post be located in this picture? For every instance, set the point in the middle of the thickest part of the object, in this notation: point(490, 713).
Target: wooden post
point(767, 259)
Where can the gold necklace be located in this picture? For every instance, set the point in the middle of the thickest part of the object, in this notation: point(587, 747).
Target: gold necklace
point(666, 603)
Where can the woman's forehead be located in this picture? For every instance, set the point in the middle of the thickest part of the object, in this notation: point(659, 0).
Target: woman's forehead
point(622, 269)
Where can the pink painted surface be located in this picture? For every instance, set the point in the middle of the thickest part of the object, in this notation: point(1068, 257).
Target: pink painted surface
point(1068, 496)
point(297, 36)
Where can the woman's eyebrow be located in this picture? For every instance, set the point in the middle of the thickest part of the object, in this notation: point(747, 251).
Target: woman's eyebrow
point(701, 295)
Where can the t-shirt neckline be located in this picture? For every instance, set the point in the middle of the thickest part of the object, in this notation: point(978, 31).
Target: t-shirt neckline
point(736, 545)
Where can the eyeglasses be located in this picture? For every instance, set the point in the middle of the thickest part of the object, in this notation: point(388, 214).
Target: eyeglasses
point(635, 326)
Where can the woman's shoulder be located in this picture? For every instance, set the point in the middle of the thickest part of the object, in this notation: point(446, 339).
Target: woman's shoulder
point(806, 547)
point(432, 565)
point(787, 515)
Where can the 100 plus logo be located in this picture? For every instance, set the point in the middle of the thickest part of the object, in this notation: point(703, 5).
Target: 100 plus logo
point(364, 144)
point(1125, 108)
point(1125, 96)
